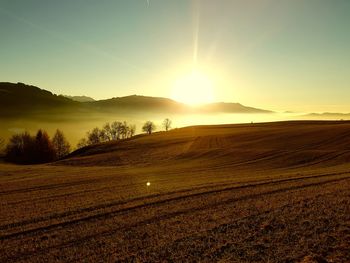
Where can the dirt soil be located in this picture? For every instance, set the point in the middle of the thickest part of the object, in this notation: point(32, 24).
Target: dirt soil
point(272, 192)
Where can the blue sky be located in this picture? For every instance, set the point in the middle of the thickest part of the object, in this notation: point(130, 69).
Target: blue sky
point(276, 54)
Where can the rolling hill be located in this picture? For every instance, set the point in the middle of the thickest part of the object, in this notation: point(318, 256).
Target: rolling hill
point(280, 144)
point(272, 192)
point(24, 100)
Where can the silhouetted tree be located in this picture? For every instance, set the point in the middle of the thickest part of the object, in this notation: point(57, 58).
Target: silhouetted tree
point(148, 127)
point(124, 130)
point(108, 132)
point(132, 130)
point(167, 124)
point(116, 130)
point(82, 143)
point(60, 144)
point(2, 145)
point(102, 135)
point(44, 150)
point(20, 148)
point(25, 149)
point(94, 136)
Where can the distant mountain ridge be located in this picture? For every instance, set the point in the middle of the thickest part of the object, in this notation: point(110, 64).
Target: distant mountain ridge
point(22, 100)
point(331, 115)
point(79, 98)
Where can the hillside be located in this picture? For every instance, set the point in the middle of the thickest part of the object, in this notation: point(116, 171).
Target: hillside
point(280, 144)
point(271, 192)
point(24, 100)
point(19, 99)
point(135, 103)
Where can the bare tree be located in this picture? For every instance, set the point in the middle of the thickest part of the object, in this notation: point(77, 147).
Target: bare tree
point(116, 130)
point(20, 148)
point(94, 136)
point(148, 127)
point(167, 124)
point(108, 132)
point(102, 135)
point(60, 144)
point(124, 129)
point(2, 145)
point(132, 130)
point(82, 143)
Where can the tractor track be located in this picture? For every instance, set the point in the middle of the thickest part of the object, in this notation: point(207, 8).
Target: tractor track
point(154, 219)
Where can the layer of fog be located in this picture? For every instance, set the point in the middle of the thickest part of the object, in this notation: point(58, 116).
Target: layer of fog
point(76, 127)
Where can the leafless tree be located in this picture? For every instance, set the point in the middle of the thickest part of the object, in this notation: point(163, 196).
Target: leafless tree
point(132, 130)
point(108, 131)
point(60, 144)
point(94, 136)
point(116, 130)
point(82, 143)
point(102, 135)
point(124, 130)
point(20, 148)
point(167, 124)
point(148, 127)
point(2, 145)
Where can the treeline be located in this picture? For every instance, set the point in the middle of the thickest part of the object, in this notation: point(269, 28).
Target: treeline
point(109, 132)
point(116, 131)
point(24, 148)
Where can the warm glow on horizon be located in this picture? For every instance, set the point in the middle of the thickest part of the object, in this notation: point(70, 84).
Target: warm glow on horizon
point(194, 88)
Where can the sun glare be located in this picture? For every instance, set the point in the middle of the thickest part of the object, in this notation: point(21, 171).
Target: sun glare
point(194, 89)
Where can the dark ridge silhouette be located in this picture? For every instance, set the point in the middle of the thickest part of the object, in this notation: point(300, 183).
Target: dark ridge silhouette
point(17, 100)
point(140, 103)
point(23, 100)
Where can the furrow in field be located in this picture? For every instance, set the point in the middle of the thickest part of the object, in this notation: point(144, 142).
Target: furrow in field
point(140, 202)
point(181, 212)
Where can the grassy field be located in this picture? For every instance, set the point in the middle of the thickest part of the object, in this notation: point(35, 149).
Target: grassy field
point(272, 192)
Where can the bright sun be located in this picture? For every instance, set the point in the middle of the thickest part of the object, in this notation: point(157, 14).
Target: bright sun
point(195, 88)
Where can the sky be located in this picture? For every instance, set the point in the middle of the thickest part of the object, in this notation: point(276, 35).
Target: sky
point(284, 55)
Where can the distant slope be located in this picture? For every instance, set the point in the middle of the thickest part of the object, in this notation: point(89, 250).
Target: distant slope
point(225, 107)
point(266, 145)
point(22, 100)
point(79, 98)
point(157, 104)
point(139, 104)
point(25, 100)
point(329, 115)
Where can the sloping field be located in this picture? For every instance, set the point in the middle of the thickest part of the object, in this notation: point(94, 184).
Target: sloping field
point(273, 192)
point(281, 144)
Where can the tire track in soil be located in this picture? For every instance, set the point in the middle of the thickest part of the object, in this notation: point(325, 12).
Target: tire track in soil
point(52, 186)
point(150, 220)
point(219, 228)
point(118, 203)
